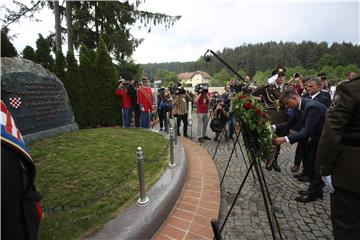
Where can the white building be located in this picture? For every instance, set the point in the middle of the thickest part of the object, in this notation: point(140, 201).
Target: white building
point(191, 79)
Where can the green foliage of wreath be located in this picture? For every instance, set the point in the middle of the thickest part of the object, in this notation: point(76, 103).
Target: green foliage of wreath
point(253, 113)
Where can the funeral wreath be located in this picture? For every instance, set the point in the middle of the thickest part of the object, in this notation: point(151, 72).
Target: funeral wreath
point(253, 114)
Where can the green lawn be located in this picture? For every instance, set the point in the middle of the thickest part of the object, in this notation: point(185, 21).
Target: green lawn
point(88, 176)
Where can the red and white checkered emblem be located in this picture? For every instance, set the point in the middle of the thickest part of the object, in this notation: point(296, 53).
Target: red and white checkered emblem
point(15, 102)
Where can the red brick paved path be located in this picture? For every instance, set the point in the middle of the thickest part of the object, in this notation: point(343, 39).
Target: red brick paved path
point(199, 201)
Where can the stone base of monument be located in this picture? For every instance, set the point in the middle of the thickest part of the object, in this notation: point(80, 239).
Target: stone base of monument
point(50, 133)
point(142, 222)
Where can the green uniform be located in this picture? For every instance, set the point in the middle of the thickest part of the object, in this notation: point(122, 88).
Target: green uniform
point(339, 156)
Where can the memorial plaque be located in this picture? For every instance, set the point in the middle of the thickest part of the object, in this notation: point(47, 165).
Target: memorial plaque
point(36, 99)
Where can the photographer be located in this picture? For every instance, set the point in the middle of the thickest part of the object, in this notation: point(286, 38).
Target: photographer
point(202, 101)
point(221, 115)
point(164, 100)
point(122, 92)
point(180, 109)
point(226, 96)
point(132, 91)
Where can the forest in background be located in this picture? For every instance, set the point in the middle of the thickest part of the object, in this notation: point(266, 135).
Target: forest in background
point(258, 60)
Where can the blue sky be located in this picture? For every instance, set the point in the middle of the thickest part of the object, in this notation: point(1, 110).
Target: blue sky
point(215, 24)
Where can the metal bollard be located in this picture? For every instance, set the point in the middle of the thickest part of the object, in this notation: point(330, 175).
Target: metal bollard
point(143, 200)
point(172, 161)
point(167, 122)
point(190, 117)
point(175, 131)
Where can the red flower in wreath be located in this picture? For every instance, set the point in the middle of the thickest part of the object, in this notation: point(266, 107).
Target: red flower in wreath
point(242, 96)
point(247, 105)
point(257, 111)
point(264, 115)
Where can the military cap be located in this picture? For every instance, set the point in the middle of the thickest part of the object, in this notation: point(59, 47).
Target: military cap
point(279, 70)
point(322, 76)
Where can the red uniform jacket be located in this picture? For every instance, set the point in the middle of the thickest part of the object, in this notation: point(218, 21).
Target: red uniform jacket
point(145, 98)
point(126, 100)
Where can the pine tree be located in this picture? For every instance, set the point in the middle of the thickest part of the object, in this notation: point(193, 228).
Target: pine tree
point(107, 103)
point(7, 48)
point(29, 53)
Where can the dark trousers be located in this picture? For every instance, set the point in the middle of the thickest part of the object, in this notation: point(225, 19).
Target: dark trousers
point(345, 214)
point(162, 119)
point(299, 154)
point(182, 118)
point(137, 117)
point(316, 183)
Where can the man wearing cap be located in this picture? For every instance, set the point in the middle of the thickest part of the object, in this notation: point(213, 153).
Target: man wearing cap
point(270, 95)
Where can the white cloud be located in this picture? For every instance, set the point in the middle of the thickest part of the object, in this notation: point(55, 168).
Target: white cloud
point(216, 24)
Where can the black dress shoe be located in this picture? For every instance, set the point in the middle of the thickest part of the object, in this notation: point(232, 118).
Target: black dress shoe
point(309, 198)
point(303, 192)
point(303, 179)
point(299, 175)
point(185, 135)
point(276, 167)
point(206, 138)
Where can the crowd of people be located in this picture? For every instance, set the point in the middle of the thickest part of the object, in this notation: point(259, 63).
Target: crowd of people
point(323, 120)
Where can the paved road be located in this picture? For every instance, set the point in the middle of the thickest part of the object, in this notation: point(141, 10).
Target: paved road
point(248, 219)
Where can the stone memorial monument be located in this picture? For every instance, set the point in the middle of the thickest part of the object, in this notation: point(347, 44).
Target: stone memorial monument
point(36, 99)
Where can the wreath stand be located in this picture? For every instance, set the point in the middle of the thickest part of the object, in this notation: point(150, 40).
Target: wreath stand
point(253, 150)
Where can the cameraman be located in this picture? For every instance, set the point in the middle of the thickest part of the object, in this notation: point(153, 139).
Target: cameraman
point(122, 92)
point(180, 109)
point(221, 114)
point(164, 100)
point(202, 101)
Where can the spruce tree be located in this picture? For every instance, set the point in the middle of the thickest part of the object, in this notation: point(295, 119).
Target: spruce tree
point(59, 68)
point(108, 108)
point(43, 53)
point(74, 87)
point(88, 79)
point(29, 53)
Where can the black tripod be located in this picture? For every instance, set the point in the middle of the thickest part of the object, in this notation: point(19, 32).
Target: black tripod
point(237, 141)
point(254, 150)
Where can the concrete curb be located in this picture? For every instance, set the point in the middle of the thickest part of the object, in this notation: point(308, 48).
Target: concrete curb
point(142, 222)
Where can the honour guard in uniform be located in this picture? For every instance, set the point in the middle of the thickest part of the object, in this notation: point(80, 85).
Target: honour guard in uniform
point(20, 202)
point(270, 95)
point(338, 162)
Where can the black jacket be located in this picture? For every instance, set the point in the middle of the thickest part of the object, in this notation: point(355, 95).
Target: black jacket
point(310, 118)
point(324, 98)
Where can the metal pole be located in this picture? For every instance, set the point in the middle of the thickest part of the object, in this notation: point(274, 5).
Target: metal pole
point(143, 200)
point(167, 122)
point(172, 162)
point(190, 117)
point(176, 131)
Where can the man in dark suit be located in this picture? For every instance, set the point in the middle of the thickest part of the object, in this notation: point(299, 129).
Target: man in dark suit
point(314, 92)
point(309, 115)
point(338, 159)
point(313, 88)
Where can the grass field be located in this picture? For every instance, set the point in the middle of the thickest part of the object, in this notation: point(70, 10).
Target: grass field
point(87, 177)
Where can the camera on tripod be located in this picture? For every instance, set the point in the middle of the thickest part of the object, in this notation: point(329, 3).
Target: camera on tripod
point(202, 88)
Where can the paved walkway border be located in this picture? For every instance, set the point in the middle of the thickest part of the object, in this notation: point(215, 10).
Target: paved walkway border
point(199, 201)
point(142, 222)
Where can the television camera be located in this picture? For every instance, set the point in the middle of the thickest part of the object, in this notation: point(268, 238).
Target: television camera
point(202, 88)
